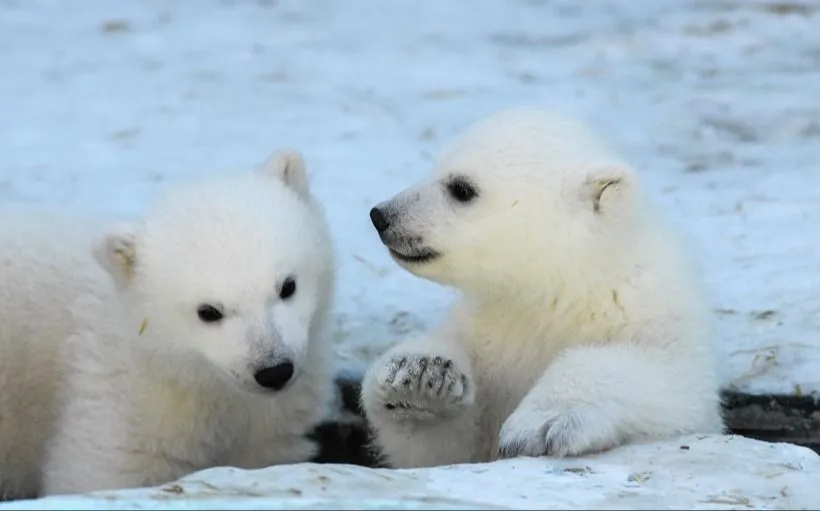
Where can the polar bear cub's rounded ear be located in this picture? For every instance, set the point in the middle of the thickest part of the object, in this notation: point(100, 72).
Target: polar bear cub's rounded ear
point(610, 190)
point(289, 166)
point(116, 252)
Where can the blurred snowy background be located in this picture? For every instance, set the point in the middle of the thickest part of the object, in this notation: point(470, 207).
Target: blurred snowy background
point(716, 101)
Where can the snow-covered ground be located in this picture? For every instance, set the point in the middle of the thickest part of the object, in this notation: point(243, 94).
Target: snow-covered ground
point(688, 473)
point(718, 101)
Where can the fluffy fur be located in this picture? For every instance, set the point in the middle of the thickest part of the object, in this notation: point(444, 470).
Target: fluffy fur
point(46, 263)
point(580, 325)
point(149, 391)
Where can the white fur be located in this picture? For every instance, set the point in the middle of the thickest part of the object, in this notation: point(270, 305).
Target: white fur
point(44, 264)
point(150, 392)
point(581, 323)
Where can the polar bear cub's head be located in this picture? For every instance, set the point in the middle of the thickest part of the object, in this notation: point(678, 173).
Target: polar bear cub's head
point(524, 196)
point(236, 271)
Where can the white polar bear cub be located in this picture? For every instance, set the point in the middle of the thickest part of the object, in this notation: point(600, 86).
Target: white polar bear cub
point(580, 325)
point(211, 348)
point(45, 263)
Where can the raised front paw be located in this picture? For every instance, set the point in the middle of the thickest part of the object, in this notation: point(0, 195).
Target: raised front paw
point(417, 388)
point(555, 432)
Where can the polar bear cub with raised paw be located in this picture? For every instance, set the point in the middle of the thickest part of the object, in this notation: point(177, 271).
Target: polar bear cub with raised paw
point(212, 347)
point(580, 325)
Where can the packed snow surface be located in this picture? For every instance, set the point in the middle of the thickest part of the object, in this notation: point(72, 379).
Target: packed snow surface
point(688, 473)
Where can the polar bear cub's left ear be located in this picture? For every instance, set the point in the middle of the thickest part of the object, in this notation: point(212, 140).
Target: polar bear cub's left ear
point(116, 252)
point(289, 166)
point(611, 190)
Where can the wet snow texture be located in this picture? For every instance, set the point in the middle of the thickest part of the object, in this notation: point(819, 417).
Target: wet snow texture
point(715, 101)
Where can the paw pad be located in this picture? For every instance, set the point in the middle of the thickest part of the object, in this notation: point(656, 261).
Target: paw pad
point(419, 386)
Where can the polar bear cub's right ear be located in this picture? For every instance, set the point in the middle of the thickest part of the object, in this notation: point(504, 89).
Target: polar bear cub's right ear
point(116, 251)
point(289, 166)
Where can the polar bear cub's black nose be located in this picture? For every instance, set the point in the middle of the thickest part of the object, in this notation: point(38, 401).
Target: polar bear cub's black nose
point(379, 220)
point(275, 377)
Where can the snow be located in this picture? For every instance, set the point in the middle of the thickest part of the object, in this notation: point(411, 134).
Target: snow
point(102, 102)
point(719, 472)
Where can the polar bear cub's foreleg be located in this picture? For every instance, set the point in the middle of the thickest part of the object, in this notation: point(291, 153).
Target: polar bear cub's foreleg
point(420, 398)
point(593, 398)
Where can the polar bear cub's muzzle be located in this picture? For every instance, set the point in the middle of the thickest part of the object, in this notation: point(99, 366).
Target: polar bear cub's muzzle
point(275, 355)
point(405, 244)
point(415, 224)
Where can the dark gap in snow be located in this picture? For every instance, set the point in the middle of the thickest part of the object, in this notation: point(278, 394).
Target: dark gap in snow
point(767, 417)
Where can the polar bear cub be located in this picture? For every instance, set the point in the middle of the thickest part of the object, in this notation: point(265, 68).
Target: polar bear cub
point(210, 347)
point(45, 263)
point(580, 325)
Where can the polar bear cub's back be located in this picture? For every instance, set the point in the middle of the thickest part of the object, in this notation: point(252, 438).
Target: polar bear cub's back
point(45, 262)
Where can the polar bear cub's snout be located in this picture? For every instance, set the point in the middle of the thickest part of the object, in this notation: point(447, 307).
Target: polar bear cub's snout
point(261, 348)
point(406, 242)
point(275, 360)
point(272, 365)
point(412, 224)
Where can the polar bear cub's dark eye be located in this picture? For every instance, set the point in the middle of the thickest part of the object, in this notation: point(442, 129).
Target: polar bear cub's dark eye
point(461, 189)
point(209, 313)
point(288, 288)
